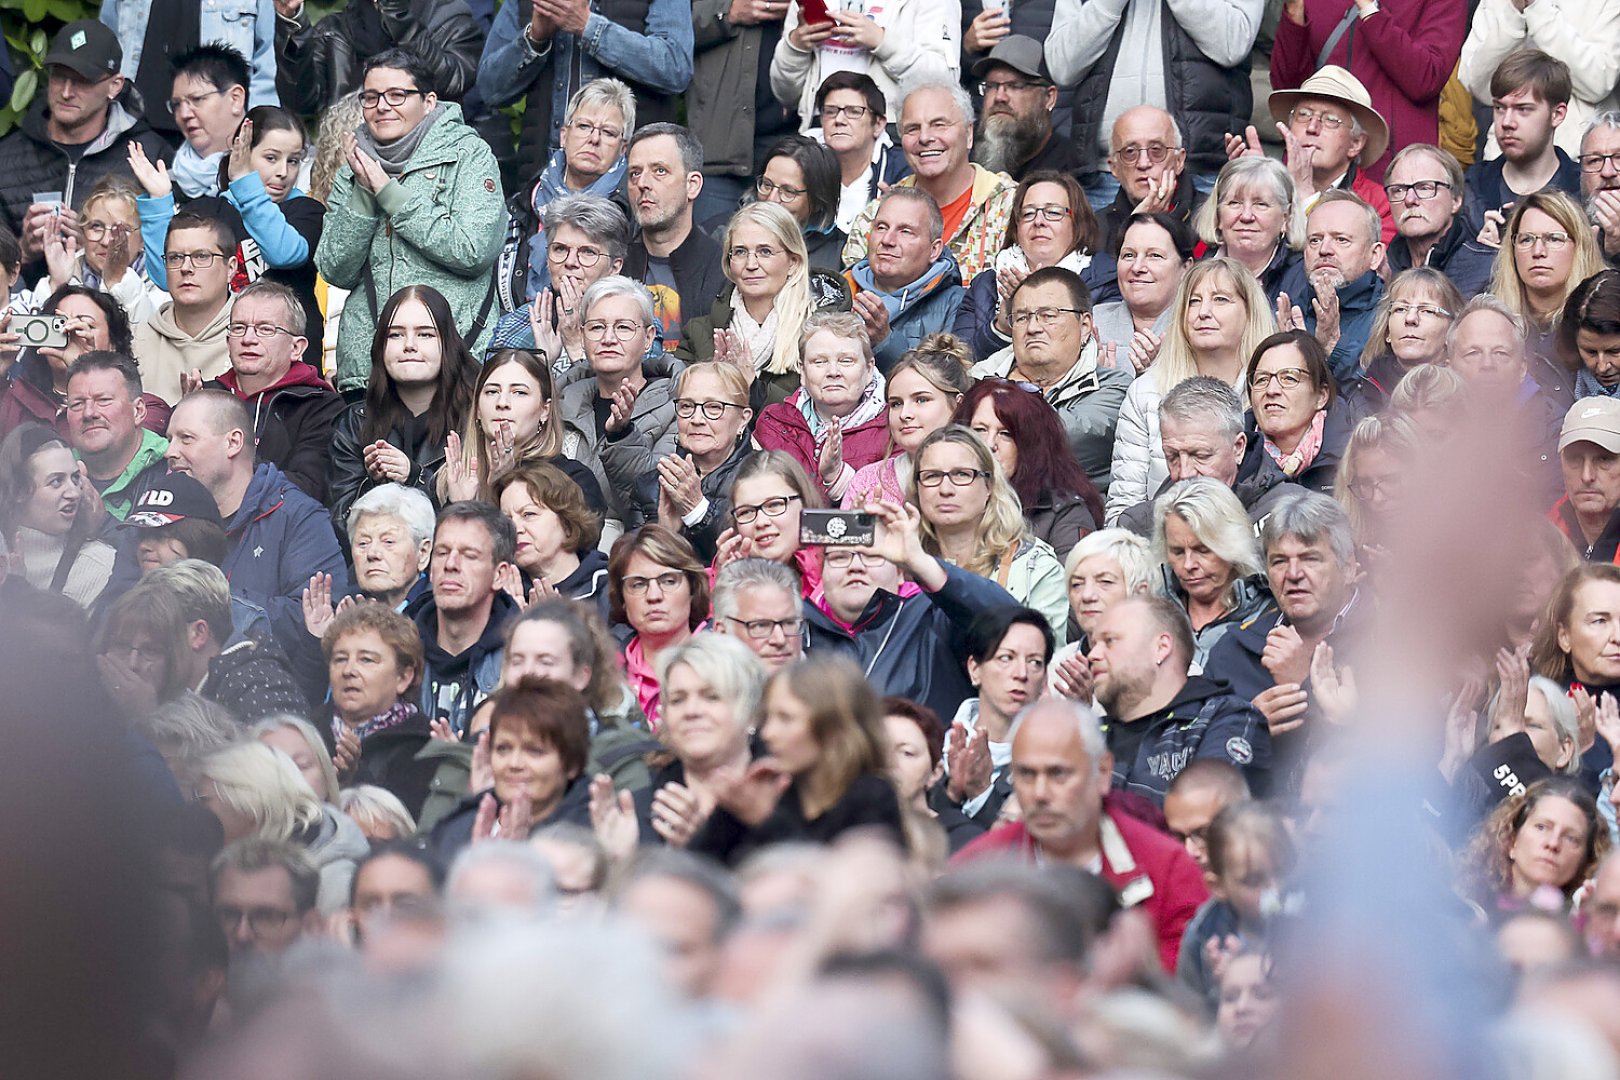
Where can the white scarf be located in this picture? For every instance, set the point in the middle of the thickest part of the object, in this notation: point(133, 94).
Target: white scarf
point(760, 336)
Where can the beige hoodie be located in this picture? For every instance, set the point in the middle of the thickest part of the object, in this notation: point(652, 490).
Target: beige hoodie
point(164, 351)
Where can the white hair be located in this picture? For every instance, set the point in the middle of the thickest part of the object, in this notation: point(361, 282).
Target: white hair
point(1130, 551)
point(1563, 715)
point(395, 500)
point(1217, 519)
point(617, 285)
point(964, 103)
point(262, 783)
point(368, 803)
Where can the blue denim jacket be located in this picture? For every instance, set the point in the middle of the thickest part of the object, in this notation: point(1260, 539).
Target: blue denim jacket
point(248, 26)
point(661, 58)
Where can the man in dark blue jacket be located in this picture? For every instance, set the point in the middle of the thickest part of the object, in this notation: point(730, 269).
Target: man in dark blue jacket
point(906, 636)
point(1342, 247)
point(1426, 191)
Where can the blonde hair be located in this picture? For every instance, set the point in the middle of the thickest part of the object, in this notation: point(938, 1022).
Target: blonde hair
point(1176, 363)
point(1391, 432)
point(307, 732)
point(1001, 527)
point(1418, 279)
point(1508, 286)
point(369, 806)
point(1217, 519)
point(113, 188)
point(732, 383)
point(792, 304)
point(262, 783)
point(1426, 387)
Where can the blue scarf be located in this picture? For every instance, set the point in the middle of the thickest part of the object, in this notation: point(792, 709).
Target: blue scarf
point(196, 175)
point(551, 185)
point(1586, 385)
point(907, 295)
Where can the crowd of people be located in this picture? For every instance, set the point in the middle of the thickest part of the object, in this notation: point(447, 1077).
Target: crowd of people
point(909, 539)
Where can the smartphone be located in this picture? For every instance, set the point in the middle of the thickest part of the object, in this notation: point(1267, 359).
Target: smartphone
point(837, 528)
point(813, 11)
point(40, 331)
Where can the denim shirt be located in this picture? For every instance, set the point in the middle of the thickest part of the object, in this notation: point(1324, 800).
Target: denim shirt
point(661, 58)
point(248, 26)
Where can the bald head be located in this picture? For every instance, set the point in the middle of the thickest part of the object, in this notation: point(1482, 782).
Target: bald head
point(210, 437)
point(1060, 770)
point(1141, 134)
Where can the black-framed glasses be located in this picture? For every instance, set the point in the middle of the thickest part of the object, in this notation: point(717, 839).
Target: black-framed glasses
point(686, 408)
point(1045, 316)
point(1595, 162)
point(585, 256)
point(1423, 189)
point(742, 513)
point(667, 582)
point(1373, 486)
point(1156, 153)
point(1287, 378)
point(261, 920)
point(854, 112)
point(394, 95)
point(1050, 212)
point(193, 100)
point(760, 629)
point(767, 188)
point(1010, 86)
point(202, 260)
point(260, 330)
point(959, 478)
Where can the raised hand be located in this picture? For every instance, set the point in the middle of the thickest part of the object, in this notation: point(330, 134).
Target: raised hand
point(967, 760)
point(153, 176)
point(751, 794)
point(677, 814)
point(317, 602)
point(1283, 706)
point(1326, 306)
point(61, 254)
point(1289, 315)
point(830, 458)
point(988, 27)
point(613, 819)
point(548, 341)
point(240, 162)
point(1300, 161)
point(131, 690)
point(1074, 680)
point(570, 307)
point(482, 775)
point(116, 262)
point(623, 407)
point(1462, 731)
point(1334, 688)
point(1606, 721)
point(1286, 655)
point(1513, 692)
point(678, 480)
point(1245, 145)
point(460, 471)
point(190, 381)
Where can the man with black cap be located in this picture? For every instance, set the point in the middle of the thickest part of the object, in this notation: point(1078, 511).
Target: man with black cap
point(77, 132)
point(1015, 122)
point(1589, 457)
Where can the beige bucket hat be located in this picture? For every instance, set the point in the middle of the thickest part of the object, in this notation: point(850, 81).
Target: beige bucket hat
point(1334, 83)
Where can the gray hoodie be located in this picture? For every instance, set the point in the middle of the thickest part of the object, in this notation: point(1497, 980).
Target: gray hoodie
point(337, 849)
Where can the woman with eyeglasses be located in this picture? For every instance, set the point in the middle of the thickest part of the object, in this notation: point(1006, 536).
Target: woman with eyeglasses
point(1222, 314)
point(1547, 250)
point(418, 202)
point(658, 596)
point(1381, 454)
point(1589, 335)
point(111, 256)
point(767, 496)
point(259, 199)
point(971, 517)
point(1409, 327)
point(1155, 251)
point(1254, 217)
point(925, 388)
point(854, 124)
point(1295, 408)
point(755, 322)
point(837, 421)
point(1024, 432)
point(689, 491)
point(422, 385)
point(1052, 226)
point(801, 176)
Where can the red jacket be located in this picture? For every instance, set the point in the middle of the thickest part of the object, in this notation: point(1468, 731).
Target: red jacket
point(1143, 865)
point(1403, 55)
point(782, 427)
point(1373, 193)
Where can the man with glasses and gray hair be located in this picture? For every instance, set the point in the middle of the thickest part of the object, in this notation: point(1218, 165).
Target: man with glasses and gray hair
point(1600, 179)
point(759, 601)
point(1426, 193)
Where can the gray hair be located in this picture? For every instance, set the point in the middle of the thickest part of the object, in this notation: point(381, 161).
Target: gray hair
point(1246, 173)
point(1563, 715)
point(618, 285)
point(571, 834)
point(307, 732)
point(744, 574)
point(191, 723)
point(699, 873)
point(1489, 302)
point(596, 217)
point(687, 144)
point(516, 857)
point(254, 853)
point(1310, 516)
point(1609, 118)
point(604, 92)
point(1130, 551)
point(1204, 397)
point(1085, 719)
point(396, 500)
point(202, 591)
point(1370, 216)
point(292, 306)
point(726, 664)
point(964, 103)
point(1216, 517)
point(376, 805)
point(936, 220)
point(1448, 163)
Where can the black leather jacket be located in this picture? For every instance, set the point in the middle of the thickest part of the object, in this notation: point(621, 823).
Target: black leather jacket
point(347, 477)
point(316, 64)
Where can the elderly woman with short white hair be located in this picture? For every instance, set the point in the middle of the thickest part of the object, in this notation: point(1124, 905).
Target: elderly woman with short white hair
point(1255, 217)
point(390, 540)
point(1209, 560)
point(1102, 569)
point(257, 790)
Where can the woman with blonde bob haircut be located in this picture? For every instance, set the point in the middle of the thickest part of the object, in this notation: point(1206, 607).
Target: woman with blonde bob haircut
point(1209, 561)
point(1382, 451)
point(1409, 326)
point(1221, 317)
point(972, 517)
point(1534, 276)
point(823, 728)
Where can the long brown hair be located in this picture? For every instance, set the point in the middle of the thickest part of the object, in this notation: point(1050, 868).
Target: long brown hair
point(846, 717)
point(458, 371)
point(1546, 657)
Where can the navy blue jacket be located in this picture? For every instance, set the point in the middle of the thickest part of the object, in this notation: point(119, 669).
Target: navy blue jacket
point(1487, 190)
point(1458, 255)
point(1358, 302)
point(1203, 721)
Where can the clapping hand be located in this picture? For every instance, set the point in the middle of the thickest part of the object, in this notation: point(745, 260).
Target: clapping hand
point(622, 409)
point(460, 471)
point(367, 173)
point(967, 760)
point(613, 819)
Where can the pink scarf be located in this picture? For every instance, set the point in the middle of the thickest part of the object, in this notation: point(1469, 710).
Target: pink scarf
point(1310, 444)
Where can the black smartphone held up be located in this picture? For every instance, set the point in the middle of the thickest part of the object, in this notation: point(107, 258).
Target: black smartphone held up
point(837, 528)
point(40, 331)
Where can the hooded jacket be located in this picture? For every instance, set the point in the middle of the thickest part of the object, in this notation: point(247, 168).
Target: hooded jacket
point(1204, 720)
point(336, 845)
point(976, 240)
point(926, 306)
point(438, 223)
point(653, 417)
point(120, 495)
point(453, 686)
point(346, 475)
point(164, 351)
point(292, 423)
point(910, 646)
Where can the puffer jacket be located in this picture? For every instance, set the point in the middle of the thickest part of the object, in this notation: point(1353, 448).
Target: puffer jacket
point(1060, 520)
point(976, 240)
point(1089, 401)
point(653, 417)
point(318, 64)
point(164, 351)
point(783, 427)
point(347, 478)
point(1138, 466)
point(1205, 720)
point(251, 679)
point(440, 223)
point(30, 162)
point(336, 845)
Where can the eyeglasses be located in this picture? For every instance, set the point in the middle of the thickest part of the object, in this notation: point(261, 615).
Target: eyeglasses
point(1595, 162)
point(637, 586)
point(764, 253)
point(585, 129)
point(1427, 311)
point(133, 653)
point(1373, 486)
point(1011, 86)
point(260, 330)
point(1423, 189)
point(1555, 241)
point(202, 260)
point(1304, 115)
point(932, 478)
point(846, 363)
point(261, 920)
point(1045, 316)
point(760, 629)
point(842, 557)
point(1045, 213)
point(95, 230)
point(585, 256)
point(394, 95)
point(1155, 152)
point(743, 514)
point(1287, 378)
point(767, 188)
point(854, 112)
point(193, 100)
point(624, 329)
point(686, 408)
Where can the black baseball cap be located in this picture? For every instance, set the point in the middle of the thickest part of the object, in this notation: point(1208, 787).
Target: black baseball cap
point(176, 497)
point(89, 47)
